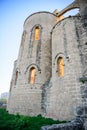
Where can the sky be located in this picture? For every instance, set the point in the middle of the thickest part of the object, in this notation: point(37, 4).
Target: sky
point(12, 16)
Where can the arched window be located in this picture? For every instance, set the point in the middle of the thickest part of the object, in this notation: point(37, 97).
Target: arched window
point(16, 77)
point(37, 33)
point(60, 64)
point(32, 75)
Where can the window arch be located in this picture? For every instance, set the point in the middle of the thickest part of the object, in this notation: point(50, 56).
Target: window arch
point(37, 33)
point(16, 77)
point(32, 75)
point(60, 66)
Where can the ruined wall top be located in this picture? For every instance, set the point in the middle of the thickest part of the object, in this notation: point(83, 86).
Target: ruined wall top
point(81, 4)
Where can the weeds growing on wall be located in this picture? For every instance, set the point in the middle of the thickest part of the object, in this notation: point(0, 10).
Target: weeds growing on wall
point(18, 122)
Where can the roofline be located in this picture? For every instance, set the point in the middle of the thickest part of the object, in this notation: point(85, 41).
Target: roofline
point(37, 13)
point(63, 20)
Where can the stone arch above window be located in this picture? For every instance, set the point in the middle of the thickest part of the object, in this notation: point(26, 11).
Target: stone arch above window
point(36, 32)
point(60, 66)
point(33, 65)
point(32, 75)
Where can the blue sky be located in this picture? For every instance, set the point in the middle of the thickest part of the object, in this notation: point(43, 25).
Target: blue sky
point(12, 16)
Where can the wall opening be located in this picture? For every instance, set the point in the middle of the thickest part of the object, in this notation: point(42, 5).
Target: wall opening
point(32, 75)
point(72, 12)
point(60, 66)
point(16, 77)
point(37, 33)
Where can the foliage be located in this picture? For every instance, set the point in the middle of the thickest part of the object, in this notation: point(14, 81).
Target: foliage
point(3, 101)
point(18, 122)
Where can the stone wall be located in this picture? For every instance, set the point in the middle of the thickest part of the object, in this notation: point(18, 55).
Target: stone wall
point(65, 94)
point(76, 124)
point(52, 95)
point(25, 98)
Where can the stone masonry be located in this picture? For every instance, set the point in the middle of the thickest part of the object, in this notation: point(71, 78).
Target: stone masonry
point(50, 74)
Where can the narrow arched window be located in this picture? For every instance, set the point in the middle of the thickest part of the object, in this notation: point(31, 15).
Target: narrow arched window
point(16, 77)
point(37, 33)
point(60, 63)
point(32, 75)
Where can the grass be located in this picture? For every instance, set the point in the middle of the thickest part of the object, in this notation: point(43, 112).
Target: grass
point(19, 122)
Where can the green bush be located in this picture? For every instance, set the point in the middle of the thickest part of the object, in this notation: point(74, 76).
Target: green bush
point(18, 122)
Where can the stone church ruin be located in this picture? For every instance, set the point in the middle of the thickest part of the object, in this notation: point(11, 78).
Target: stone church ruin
point(50, 74)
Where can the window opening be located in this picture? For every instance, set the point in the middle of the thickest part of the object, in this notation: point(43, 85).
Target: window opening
point(32, 75)
point(60, 67)
point(37, 33)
